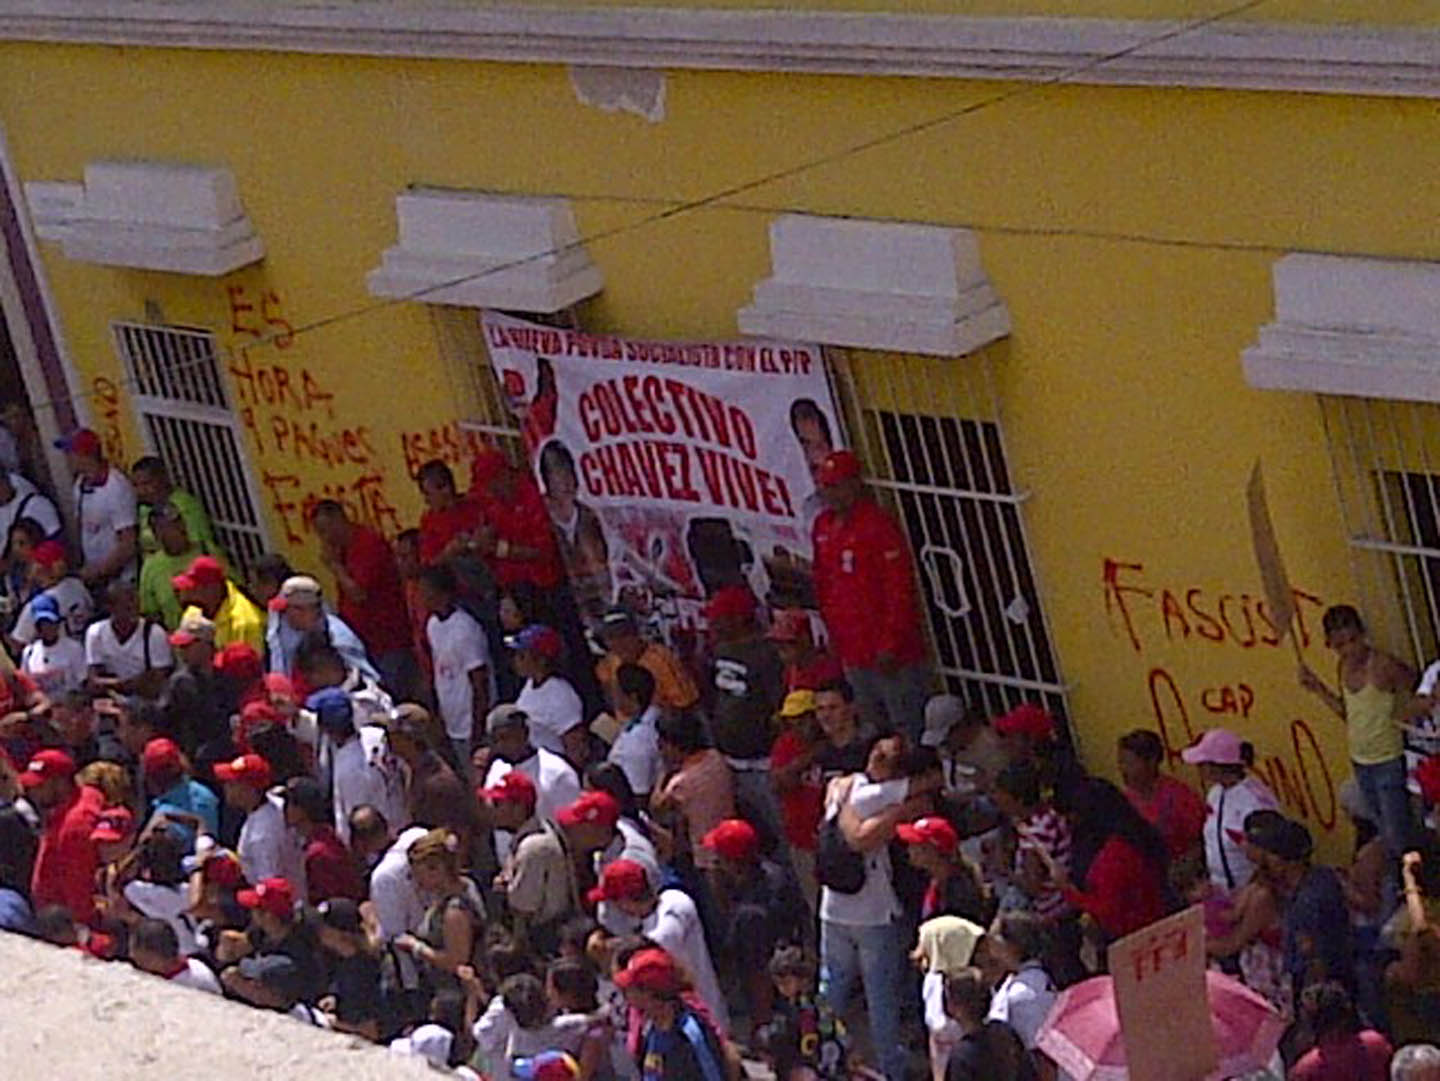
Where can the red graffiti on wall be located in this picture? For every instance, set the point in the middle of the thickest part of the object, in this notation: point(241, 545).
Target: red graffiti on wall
point(266, 322)
point(364, 500)
point(274, 386)
point(450, 443)
point(107, 406)
point(1237, 618)
point(1304, 785)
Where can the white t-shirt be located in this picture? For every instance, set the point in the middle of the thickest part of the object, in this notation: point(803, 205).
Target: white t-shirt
point(76, 608)
point(126, 660)
point(458, 646)
point(875, 904)
point(103, 513)
point(1023, 1001)
point(556, 783)
point(399, 906)
point(363, 771)
point(37, 507)
point(636, 750)
point(553, 708)
point(628, 844)
point(944, 1030)
point(676, 928)
point(55, 669)
point(268, 847)
point(197, 976)
point(168, 903)
point(1225, 826)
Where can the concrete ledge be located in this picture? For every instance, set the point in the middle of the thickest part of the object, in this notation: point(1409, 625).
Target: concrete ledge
point(68, 1016)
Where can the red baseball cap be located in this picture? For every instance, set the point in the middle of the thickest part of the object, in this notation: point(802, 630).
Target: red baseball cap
point(203, 571)
point(1026, 719)
point(80, 441)
point(273, 895)
point(838, 467)
point(45, 765)
point(249, 769)
point(623, 880)
point(48, 553)
point(223, 869)
point(650, 970)
point(599, 808)
point(240, 662)
point(930, 830)
point(513, 787)
point(730, 602)
point(789, 625)
point(734, 839)
point(161, 758)
point(114, 824)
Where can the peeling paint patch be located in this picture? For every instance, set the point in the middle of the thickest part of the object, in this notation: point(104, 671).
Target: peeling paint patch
point(632, 90)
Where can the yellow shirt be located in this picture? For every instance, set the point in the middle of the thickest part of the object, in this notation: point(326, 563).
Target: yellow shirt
point(237, 620)
point(1370, 724)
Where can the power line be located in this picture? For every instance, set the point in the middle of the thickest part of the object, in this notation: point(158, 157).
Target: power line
point(720, 198)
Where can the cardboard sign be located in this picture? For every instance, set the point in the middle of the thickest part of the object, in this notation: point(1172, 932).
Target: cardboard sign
point(1279, 597)
point(1160, 996)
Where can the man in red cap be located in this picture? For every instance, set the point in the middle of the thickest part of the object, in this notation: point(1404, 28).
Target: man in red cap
point(105, 511)
point(593, 827)
point(65, 865)
point(865, 584)
point(556, 713)
point(267, 847)
point(276, 929)
point(956, 887)
point(174, 793)
point(676, 1042)
point(667, 917)
point(538, 878)
point(762, 909)
point(807, 668)
point(209, 591)
point(49, 570)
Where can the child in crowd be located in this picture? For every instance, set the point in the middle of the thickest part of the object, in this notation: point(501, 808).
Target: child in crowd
point(805, 1041)
point(946, 946)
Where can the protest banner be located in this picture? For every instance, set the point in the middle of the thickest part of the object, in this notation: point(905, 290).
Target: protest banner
point(671, 469)
point(1160, 995)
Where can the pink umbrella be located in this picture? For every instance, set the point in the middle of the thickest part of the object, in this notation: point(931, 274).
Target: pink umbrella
point(1082, 1033)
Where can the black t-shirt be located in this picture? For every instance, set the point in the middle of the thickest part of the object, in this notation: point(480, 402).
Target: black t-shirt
point(747, 683)
point(197, 709)
point(355, 983)
point(836, 761)
point(993, 1053)
point(301, 945)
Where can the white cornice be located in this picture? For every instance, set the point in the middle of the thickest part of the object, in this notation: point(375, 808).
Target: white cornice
point(1327, 59)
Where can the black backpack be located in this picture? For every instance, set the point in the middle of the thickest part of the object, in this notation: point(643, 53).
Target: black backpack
point(838, 866)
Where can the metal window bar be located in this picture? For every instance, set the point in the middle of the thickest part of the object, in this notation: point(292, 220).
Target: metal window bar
point(1388, 490)
point(183, 406)
point(944, 471)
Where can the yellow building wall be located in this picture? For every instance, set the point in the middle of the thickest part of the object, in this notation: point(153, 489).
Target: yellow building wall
point(1131, 233)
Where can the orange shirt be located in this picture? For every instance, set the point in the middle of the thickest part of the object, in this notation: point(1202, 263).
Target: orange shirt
point(674, 689)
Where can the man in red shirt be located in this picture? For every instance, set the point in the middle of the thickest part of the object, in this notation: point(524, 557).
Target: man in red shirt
point(807, 668)
point(372, 597)
point(330, 870)
point(65, 865)
point(865, 583)
point(448, 524)
point(518, 541)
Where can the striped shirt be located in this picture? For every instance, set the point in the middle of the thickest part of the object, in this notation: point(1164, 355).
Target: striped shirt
point(1046, 830)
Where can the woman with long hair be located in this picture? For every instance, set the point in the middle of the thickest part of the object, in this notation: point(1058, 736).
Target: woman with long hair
point(1118, 862)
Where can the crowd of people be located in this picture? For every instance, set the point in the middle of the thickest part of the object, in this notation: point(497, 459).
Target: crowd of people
point(444, 809)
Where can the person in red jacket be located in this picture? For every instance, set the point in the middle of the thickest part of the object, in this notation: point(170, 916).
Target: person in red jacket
point(65, 865)
point(372, 597)
point(1119, 860)
point(865, 583)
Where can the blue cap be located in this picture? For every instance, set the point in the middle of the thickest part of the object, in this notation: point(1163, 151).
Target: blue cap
point(45, 609)
point(332, 708)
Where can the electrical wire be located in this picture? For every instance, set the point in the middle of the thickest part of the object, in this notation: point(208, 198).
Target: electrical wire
point(721, 197)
